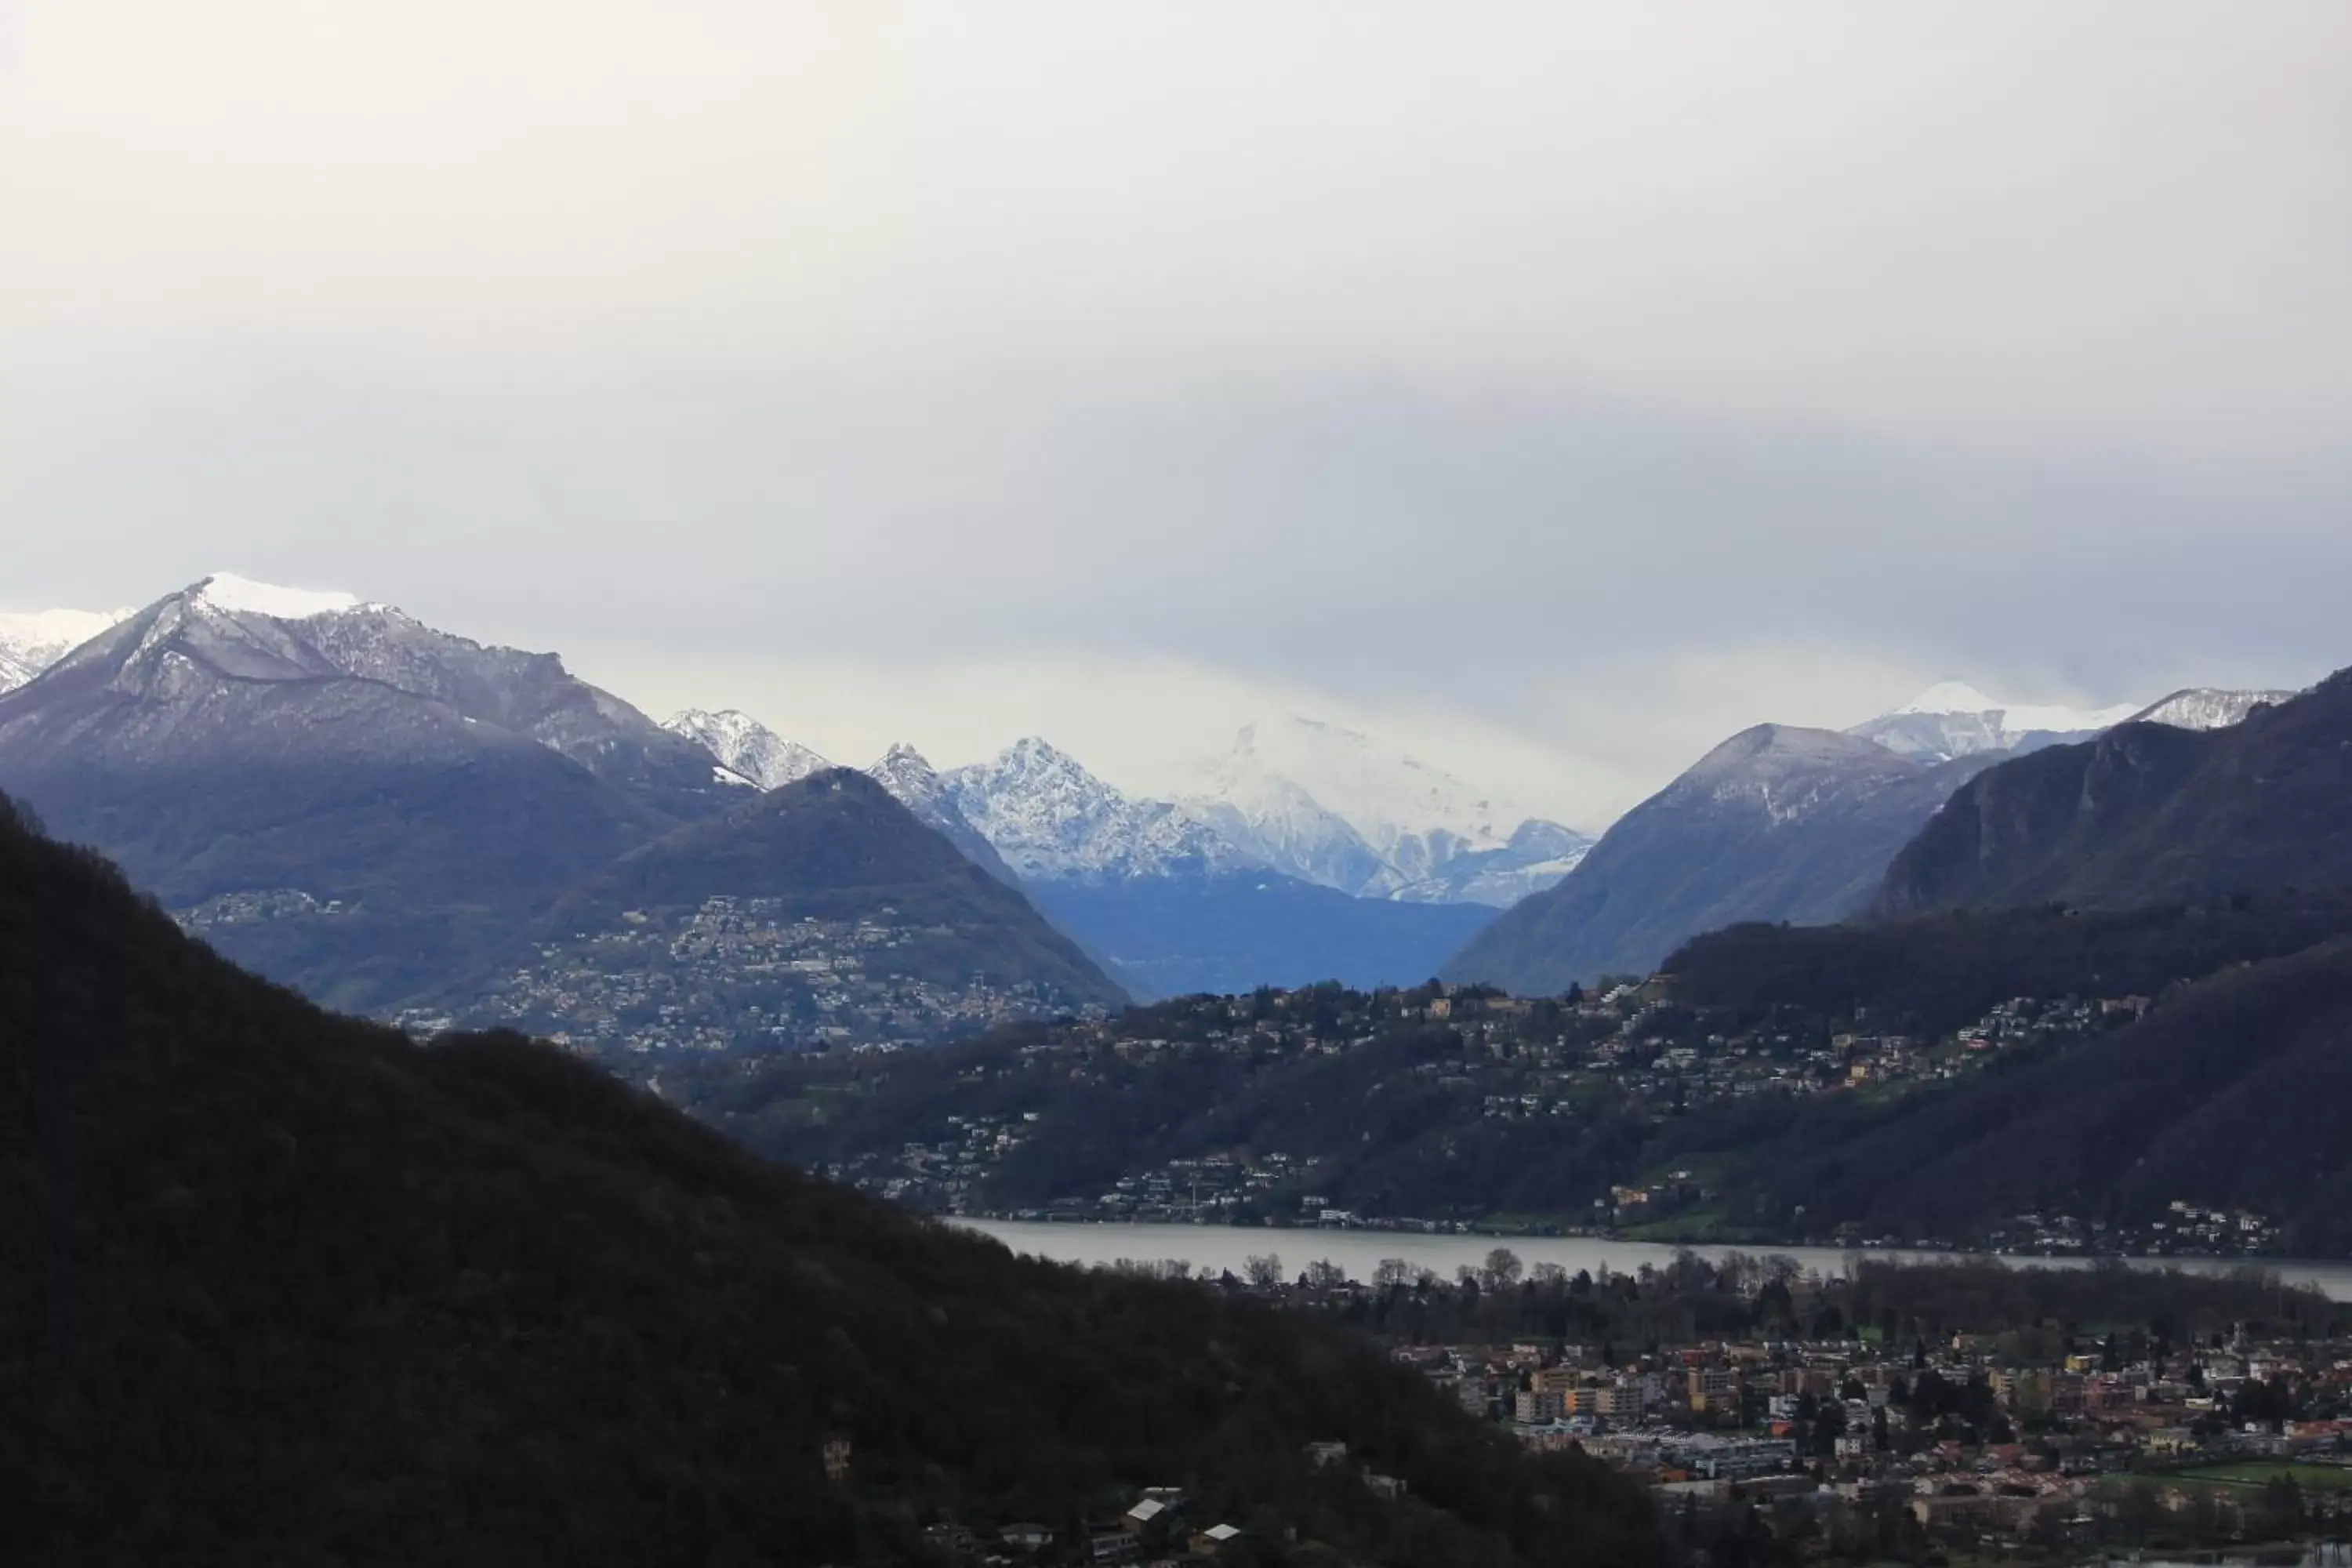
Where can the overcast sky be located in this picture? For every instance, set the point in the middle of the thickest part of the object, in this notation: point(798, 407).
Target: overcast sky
point(1554, 388)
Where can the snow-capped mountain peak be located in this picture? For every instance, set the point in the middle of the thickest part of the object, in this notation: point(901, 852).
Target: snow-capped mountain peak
point(31, 641)
point(1052, 819)
point(1951, 696)
point(908, 775)
point(746, 747)
point(1954, 719)
point(1332, 805)
point(1380, 792)
point(1958, 697)
point(242, 595)
point(2207, 707)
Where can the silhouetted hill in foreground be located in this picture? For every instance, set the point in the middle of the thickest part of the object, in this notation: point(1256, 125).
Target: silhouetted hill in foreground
point(2147, 814)
point(283, 1287)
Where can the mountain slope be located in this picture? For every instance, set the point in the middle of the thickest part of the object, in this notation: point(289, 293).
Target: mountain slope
point(2146, 814)
point(746, 747)
point(31, 642)
point(373, 798)
point(838, 847)
point(1776, 824)
point(285, 1288)
point(1331, 806)
point(2207, 707)
point(914, 783)
point(1955, 719)
point(2228, 1097)
point(1050, 818)
point(1169, 903)
point(429, 789)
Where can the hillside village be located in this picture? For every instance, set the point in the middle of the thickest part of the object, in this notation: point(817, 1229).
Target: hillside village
point(1490, 1070)
point(739, 974)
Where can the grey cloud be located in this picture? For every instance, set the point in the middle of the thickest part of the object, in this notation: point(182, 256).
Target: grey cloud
point(1417, 361)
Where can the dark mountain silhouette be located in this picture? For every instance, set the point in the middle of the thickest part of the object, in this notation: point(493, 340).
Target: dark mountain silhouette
point(2228, 1097)
point(282, 1287)
point(2147, 814)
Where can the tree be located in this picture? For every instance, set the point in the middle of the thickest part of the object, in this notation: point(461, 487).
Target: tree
point(1502, 1271)
point(1263, 1269)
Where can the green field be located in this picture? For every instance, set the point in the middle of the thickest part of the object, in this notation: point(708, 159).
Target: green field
point(2261, 1472)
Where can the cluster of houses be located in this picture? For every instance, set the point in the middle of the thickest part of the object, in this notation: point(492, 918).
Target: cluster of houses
point(2054, 1448)
point(741, 975)
point(1161, 1528)
point(1516, 1061)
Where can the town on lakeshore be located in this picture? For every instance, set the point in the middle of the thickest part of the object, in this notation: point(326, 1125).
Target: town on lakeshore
point(1439, 1108)
point(2090, 1413)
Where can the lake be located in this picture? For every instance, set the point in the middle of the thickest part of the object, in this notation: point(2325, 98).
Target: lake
point(1214, 1247)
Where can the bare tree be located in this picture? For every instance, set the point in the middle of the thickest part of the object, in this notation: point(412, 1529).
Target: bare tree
point(1263, 1269)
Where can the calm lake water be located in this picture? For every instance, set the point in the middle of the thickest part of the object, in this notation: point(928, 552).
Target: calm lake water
point(1212, 1247)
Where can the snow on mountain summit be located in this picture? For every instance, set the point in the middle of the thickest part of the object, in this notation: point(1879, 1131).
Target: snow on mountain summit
point(1383, 793)
point(746, 747)
point(1334, 806)
point(242, 595)
point(1950, 697)
point(1958, 697)
point(2207, 707)
point(31, 641)
point(1050, 818)
point(1953, 719)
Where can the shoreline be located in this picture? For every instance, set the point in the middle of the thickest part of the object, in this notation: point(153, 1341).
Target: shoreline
point(1358, 1250)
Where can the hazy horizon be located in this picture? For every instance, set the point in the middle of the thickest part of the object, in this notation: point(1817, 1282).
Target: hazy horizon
point(1549, 390)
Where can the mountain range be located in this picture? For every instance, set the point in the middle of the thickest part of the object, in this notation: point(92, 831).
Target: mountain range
point(237, 740)
point(1332, 806)
point(1781, 824)
point(1250, 881)
point(2149, 812)
point(364, 805)
point(1953, 719)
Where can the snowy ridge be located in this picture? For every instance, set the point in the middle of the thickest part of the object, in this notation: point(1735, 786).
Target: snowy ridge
point(31, 641)
point(182, 657)
point(2207, 707)
point(747, 748)
point(1953, 719)
point(1333, 807)
point(242, 595)
point(1053, 820)
point(914, 783)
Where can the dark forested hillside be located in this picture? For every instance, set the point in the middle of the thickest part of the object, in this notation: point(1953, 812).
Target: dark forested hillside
point(2229, 1097)
point(1937, 1078)
point(1934, 973)
point(2147, 814)
point(283, 1287)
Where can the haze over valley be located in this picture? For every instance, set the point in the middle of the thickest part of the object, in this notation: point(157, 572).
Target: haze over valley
point(1156, 785)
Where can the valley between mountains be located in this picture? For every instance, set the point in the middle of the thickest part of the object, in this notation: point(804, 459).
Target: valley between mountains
point(1331, 986)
